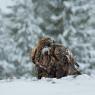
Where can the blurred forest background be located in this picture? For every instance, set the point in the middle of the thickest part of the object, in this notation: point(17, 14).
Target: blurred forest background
point(70, 22)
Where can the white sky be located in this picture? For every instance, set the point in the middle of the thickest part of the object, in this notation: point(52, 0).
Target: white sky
point(4, 3)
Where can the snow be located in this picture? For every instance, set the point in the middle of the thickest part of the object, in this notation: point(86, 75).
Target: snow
point(4, 4)
point(80, 85)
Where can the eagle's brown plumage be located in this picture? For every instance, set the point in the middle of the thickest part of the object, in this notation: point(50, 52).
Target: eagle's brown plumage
point(53, 59)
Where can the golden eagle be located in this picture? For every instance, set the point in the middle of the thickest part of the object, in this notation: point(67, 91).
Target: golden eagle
point(53, 60)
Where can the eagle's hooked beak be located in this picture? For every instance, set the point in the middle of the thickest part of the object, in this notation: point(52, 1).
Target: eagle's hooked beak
point(46, 50)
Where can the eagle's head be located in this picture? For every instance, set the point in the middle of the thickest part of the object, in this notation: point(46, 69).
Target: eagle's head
point(45, 44)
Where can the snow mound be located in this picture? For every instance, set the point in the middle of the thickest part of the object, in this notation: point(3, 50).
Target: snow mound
point(80, 85)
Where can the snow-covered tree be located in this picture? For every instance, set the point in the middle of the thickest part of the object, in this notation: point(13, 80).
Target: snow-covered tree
point(6, 46)
point(79, 32)
point(50, 13)
point(22, 33)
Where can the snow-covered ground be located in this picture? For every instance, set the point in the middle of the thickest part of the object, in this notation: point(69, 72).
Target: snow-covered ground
point(80, 85)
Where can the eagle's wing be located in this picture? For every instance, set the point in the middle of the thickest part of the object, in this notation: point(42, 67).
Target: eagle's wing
point(71, 58)
point(34, 51)
point(66, 59)
point(61, 53)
